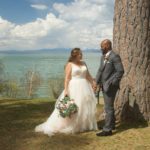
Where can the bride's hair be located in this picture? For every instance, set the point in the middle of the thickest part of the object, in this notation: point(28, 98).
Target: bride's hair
point(74, 53)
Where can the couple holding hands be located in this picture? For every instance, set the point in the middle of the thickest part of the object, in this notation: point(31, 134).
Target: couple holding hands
point(81, 87)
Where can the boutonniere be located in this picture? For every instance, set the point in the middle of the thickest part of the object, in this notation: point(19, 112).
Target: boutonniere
point(106, 58)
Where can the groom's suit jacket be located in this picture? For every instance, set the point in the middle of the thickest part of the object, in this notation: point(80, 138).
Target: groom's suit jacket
point(110, 73)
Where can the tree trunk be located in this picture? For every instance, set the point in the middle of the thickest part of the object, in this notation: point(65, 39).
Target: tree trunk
point(132, 41)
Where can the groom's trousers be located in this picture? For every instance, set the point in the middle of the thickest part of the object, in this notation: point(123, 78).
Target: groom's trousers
point(109, 98)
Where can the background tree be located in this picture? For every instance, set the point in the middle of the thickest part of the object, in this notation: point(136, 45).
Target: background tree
point(2, 80)
point(132, 41)
point(8, 87)
point(11, 88)
point(31, 82)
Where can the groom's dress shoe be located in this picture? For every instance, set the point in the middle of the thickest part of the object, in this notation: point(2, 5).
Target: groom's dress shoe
point(100, 128)
point(104, 133)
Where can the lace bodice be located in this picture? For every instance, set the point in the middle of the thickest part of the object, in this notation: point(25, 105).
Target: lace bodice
point(79, 71)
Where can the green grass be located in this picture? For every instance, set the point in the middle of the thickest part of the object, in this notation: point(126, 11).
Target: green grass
point(18, 119)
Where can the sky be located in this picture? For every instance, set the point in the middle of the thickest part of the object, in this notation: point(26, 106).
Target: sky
point(47, 24)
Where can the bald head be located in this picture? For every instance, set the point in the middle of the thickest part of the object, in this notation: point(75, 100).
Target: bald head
point(106, 41)
point(106, 45)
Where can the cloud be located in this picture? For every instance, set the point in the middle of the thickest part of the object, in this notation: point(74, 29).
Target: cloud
point(81, 23)
point(39, 6)
point(28, 36)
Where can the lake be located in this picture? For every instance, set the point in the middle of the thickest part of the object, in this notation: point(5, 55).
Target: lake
point(48, 64)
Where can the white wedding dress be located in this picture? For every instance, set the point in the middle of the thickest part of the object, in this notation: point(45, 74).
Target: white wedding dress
point(81, 91)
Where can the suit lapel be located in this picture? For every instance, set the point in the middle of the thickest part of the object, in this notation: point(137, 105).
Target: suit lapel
point(110, 54)
point(104, 64)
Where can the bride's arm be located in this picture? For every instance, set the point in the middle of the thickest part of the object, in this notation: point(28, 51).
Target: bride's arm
point(67, 78)
point(89, 77)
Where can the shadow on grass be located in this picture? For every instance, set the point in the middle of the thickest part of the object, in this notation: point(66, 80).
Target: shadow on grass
point(17, 124)
point(132, 118)
point(124, 126)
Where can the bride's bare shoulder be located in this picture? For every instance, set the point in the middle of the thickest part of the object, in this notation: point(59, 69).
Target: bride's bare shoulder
point(68, 65)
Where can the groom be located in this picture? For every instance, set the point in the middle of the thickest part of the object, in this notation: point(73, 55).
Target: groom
point(108, 78)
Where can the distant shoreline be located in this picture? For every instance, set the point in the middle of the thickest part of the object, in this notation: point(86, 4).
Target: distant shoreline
point(57, 50)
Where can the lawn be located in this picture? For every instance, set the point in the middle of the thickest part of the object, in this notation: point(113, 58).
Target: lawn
point(19, 117)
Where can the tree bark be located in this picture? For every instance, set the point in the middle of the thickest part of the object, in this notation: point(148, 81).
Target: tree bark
point(131, 39)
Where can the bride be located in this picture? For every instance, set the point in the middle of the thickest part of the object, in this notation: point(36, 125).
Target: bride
point(78, 86)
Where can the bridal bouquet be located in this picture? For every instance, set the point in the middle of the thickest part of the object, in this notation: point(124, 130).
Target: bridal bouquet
point(67, 107)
